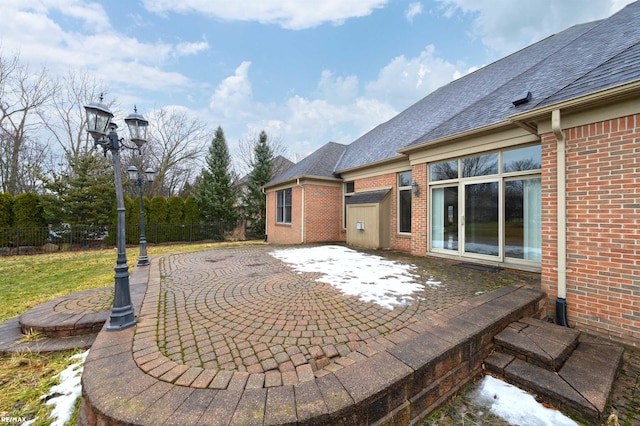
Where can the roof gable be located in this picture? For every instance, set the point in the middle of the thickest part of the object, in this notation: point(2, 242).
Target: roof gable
point(320, 163)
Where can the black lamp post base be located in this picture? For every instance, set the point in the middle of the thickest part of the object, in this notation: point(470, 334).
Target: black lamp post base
point(143, 261)
point(121, 318)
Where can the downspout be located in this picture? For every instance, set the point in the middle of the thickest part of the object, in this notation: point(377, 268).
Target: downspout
point(561, 301)
point(266, 215)
point(302, 212)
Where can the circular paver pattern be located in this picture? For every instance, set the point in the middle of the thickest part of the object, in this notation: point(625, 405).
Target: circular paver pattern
point(246, 314)
point(95, 301)
point(72, 315)
point(248, 310)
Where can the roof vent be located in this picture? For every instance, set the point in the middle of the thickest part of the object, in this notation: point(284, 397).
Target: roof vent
point(522, 98)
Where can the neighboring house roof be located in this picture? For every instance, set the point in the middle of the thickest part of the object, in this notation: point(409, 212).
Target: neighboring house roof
point(280, 165)
point(578, 61)
point(321, 163)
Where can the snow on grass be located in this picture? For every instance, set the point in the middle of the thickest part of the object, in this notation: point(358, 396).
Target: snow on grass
point(515, 405)
point(63, 396)
point(370, 278)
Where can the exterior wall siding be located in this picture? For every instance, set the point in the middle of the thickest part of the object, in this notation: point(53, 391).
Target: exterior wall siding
point(603, 226)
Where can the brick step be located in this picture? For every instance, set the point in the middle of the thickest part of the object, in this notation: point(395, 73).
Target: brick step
point(581, 386)
point(538, 342)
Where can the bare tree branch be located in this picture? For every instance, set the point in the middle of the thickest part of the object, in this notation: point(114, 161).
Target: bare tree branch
point(66, 119)
point(23, 95)
point(177, 145)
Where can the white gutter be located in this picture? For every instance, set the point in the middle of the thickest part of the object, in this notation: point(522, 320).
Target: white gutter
point(302, 211)
point(561, 181)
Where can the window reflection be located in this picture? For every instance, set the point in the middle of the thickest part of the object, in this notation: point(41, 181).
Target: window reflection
point(443, 171)
point(516, 160)
point(481, 165)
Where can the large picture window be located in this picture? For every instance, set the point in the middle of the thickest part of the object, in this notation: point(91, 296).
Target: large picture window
point(404, 202)
point(488, 206)
point(283, 206)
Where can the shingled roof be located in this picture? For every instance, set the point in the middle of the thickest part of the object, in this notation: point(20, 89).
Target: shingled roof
point(578, 61)
point(321, 163)
point(451, 100)
point(589, 63)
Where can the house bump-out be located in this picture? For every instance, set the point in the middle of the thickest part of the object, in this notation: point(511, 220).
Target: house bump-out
point(532, 162)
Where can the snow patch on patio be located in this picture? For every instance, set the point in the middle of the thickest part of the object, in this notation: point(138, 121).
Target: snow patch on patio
point(516, 406)
point(368, 277)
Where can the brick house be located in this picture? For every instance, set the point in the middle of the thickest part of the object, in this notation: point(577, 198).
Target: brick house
point(532, 162)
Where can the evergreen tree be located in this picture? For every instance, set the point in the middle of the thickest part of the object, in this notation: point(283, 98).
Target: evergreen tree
point(6, 210)
point(176, 205)
point(86, 193)
point(216, 195)
point(27, 211)
point(158, 210)
point(254, 200)
point(191, 212)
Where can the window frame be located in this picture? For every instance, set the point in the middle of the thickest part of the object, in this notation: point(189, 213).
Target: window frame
point(345, 196)
point(404, 188)
point(532, 169)
point(282, 208)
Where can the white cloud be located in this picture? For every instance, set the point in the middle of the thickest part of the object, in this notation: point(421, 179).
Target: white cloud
point(340, 109)
point(506, 26)
point(233, 96)
point(413, 10)
point(189, 49)
point(289, 14)
point(337, 89)
point(406, 80)
point(89, 43)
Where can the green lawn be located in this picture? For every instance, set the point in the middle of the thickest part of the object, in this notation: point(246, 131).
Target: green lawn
point(26, 281)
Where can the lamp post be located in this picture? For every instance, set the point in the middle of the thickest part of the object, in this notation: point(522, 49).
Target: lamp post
point(99, 125)
point(136, 177)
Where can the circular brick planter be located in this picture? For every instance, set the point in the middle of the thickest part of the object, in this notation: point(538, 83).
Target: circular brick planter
point(73, 315)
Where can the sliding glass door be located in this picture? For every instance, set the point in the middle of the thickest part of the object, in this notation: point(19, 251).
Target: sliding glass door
point(523, 215)
point(481, 219)
point(488, 206)
point(444, 218)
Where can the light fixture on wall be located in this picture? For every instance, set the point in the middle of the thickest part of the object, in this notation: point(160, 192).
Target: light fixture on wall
point(416, 188)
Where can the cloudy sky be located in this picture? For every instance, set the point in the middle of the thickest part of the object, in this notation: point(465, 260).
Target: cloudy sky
point(306, 71)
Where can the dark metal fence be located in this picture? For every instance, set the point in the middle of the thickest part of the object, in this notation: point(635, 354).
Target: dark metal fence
point(18, 241)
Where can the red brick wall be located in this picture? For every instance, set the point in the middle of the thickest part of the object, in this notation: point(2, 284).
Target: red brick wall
point(603, 226)
point(323, 216)
point(280, 233)
point(419, 211)
point(323, 212)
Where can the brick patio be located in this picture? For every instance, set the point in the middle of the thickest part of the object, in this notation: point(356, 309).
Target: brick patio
point(235, 336)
